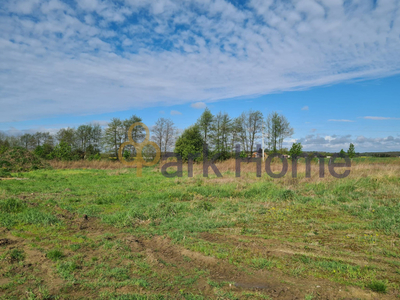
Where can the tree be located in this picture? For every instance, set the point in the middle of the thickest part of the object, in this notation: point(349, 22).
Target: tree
point(342, 154)
point(220, 132)
point(4, 143)
point(137, 132)
point(28, 141)
point(236, 133)
point(296, 150)
point(62, 151)
point(163, 134)
point(114, 135)
point(190, 142)
point(278, 128)
point(88, 137)
point(67, 135)
point(43, 151)
point(83, 134)
point(251, 123)
point(351, 152)
point(205, 123)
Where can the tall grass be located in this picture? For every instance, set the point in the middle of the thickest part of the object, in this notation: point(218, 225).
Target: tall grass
point(85, 164)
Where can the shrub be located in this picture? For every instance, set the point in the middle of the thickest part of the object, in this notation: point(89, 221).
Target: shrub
point(18, 159)
point(43, 151)
point(62, 151)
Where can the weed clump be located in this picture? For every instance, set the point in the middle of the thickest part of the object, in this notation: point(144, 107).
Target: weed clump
point(378, 286)
point(55, 255)
point(14, 255)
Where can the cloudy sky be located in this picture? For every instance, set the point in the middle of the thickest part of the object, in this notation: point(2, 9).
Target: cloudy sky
point(331, 66)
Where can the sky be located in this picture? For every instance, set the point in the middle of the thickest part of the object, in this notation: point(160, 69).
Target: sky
point(330, 66)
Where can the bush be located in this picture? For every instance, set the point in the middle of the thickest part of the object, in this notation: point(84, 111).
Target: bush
point(94, 157)
point(18, 159)
point(43, 151)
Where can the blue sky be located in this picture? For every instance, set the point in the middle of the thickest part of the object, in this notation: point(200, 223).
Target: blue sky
point(330, 66)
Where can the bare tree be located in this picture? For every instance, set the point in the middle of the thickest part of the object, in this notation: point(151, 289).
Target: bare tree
point(251, 123)
point(163, 134)
point(27, 141)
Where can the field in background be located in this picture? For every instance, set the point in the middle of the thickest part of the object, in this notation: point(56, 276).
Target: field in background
point(95, 230)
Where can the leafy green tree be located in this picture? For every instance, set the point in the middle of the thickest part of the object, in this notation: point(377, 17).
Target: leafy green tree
point(114, 136)
point(351, 152)
point(190, 142)
point(278, 128)
point(62, 151)
point(342, 154)
point(296, 150)
point(220, 133)
point(137, 133)
point(43, 151)
point(67, 136)
point(205, 124)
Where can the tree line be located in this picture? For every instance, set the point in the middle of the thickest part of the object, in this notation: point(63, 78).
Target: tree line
point(220, 132)
point(91, 140)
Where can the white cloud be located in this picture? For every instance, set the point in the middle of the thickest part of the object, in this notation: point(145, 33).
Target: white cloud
point(162, 112)
point(175, 113)
point(333, 143)
point(380, 118)
point(199, 105)
point(71, 56)
point(305, 108)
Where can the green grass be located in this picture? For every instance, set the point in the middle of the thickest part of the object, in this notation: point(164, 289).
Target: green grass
point(378, 286)
point(55, 255)
point(345, 232)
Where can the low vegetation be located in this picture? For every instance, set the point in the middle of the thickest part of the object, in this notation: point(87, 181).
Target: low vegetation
point(18, 159)
point(107, 234)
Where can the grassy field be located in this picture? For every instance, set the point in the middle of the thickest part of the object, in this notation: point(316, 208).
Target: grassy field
point(107, 234)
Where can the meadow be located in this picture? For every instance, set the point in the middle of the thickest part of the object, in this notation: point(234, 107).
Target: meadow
point(95, 230)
